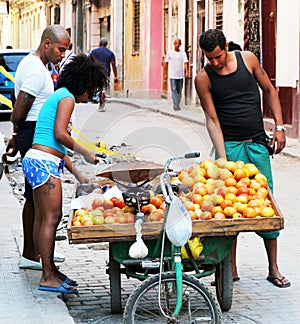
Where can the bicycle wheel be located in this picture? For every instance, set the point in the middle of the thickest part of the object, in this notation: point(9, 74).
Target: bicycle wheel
point(224, 286)
point(198, 304)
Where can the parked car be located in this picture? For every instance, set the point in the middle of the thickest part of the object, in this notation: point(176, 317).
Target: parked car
point(10, 60)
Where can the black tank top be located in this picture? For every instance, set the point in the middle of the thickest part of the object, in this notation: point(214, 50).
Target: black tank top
point(237, 102)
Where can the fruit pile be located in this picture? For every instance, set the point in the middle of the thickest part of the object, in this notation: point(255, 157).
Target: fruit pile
point(225, 189)
point(218, 189)
point(112, 211)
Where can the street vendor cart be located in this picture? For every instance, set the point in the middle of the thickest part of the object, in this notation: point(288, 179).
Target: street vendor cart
point(216, 237)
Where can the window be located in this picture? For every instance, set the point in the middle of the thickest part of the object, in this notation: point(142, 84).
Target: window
point(136, 27)
point(219, 14)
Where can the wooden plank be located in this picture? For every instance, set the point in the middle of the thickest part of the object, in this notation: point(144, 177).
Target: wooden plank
point(224, 227)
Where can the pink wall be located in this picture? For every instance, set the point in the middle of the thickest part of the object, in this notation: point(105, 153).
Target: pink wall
point(156, 42)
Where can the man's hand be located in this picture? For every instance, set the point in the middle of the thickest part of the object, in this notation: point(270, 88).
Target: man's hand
point(280, 140)
point(11, 149)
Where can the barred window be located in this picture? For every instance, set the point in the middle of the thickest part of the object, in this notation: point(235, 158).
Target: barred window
point(136, 27)
point(219, 14)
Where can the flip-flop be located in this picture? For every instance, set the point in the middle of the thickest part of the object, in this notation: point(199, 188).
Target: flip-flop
point(275, 281)
point(62, 288)
point(70, 282)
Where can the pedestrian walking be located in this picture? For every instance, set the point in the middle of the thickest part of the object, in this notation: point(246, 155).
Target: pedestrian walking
point(107, 57)
point(33, 85)
point(176, 68)
point(43, 163)
point(228, 90)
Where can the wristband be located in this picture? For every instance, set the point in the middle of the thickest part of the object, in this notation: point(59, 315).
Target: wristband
point(280, 128)
point(14, 134)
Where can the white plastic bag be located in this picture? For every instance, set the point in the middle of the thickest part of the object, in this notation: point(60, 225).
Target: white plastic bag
point(178, 223)
point(138, 249)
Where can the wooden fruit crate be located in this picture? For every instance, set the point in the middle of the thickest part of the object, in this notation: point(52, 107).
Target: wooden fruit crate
point(203, 228)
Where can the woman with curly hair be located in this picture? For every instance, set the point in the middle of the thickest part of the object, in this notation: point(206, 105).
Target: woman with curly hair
point(43, 163)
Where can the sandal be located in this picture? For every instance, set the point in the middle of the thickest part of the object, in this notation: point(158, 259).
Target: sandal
point(278, 282)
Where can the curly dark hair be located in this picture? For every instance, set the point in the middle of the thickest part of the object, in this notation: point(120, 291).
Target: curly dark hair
point(81, 74)
point(212, 38)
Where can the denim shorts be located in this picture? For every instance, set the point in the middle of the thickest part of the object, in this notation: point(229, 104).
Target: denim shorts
point(38, 166)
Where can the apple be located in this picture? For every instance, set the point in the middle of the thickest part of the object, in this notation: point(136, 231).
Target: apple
point(243, 190)
point(156, 216)
point(98, 219)
point(249, 212)
point(230, 196)
point(108, 212)
point(239, 206)
point(121, 219)
point(243, 198)
point(147, 209)
point(206, 206)
point(119, 202)
point(221, 162)
point(109, 220)
point(217, 209)
point(128, 209)
point(213, 172)
point(205, 215)
point(239, 174)
point(219, 215)
point(267, 212)
point(222, 191)
point(88, 222)
point(229, 211)
point(196, 199)
point(226, 203)
point(76, 223)
point(231, 166)
point(108, 204)
point(156, 201)
point(80, 212)
point(200, 189)
point(130, 218)
point(96, 203)
point(237, 215)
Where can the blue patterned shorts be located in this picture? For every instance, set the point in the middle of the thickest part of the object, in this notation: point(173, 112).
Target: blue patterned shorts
point(38, 166)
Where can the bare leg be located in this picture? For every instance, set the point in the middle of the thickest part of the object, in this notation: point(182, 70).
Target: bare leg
point(29, 249)
point(271, 248)
point(49, 201)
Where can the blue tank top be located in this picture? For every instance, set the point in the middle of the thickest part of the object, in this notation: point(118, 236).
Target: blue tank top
point(237, 101)
point(44, 131)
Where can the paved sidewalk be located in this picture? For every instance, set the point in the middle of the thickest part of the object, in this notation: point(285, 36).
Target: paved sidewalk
point(23, 303)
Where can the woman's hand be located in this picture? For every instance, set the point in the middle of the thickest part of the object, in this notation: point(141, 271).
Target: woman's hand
point(91, 157)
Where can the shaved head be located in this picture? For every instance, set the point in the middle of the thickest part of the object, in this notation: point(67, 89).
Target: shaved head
point(55, 33)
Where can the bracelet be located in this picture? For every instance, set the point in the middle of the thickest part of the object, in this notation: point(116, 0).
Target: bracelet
point(280, 128)
point(14, 134)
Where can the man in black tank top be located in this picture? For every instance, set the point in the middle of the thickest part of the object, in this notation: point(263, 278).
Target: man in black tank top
point(229, 95)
